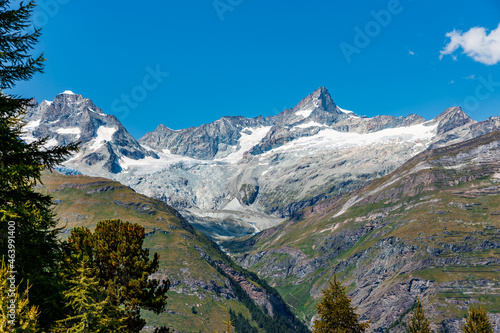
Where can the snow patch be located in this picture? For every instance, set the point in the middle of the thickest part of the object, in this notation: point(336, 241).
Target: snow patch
point(246, 142)
point(310, 124)
point(304, 113)
point(456, 167)
point(347, 205)
point(234, 205)
point(348, 112)
point(150, 165)
point(69, 130)
point(174, 130)
point(104, 134)
point(46, 102)
point(32, 124)
point(51, 143)
point(331, 139)
point(28, 138)
point(344, 111)
point(67, 92)
point(331, 228)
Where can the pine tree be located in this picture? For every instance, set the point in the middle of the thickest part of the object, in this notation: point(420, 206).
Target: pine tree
point(26, 315)
point(477, 321)
point(115, 251)
point(336, 313)
point(37, 248)
point(418, 323)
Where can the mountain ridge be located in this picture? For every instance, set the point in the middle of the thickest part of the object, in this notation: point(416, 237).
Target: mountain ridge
point(238, 175)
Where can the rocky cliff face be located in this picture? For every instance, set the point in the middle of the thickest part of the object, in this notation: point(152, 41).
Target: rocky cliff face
point(214, 140)
point(237, 176)
point(431, 229)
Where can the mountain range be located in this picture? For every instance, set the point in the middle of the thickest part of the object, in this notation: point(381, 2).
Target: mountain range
point(396, 207)
point(237, 176)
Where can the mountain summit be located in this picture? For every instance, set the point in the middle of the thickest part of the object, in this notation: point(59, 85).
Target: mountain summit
point(240, 175)
point(319, 99)
point(452, 118)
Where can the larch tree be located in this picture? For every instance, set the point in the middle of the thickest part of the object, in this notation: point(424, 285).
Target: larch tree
point(91, 309)
point(418, 323)
point(229, 325)
point(20, 311)
point(477, 321)
point(335, 313)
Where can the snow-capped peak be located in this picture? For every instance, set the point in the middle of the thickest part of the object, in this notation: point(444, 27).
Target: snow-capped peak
point(67, 92)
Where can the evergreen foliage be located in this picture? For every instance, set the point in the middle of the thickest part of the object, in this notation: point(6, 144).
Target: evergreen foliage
point(37, 249)
point(477, 321)
point(418, 323)
point(26, 315)
point(91, 310)
point(336, 313)
point(241, 324)
point(16, 43)
point(115, 252)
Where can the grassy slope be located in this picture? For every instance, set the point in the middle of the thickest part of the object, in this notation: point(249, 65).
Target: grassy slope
point(445, 209)
point(84, 201)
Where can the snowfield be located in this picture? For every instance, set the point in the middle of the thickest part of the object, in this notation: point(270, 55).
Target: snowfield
point(331, 139)
point(103, 134)
point(246, 142)
point(69, 130)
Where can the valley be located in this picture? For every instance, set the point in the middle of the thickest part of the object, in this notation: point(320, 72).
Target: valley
point(396, 207)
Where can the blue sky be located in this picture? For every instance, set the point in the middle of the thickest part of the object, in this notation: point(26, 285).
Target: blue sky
point(186, 63)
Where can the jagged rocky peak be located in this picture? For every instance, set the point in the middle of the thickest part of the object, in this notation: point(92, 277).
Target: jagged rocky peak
point(164, 129)
point(66, 103)
point(69, 118)
point(452, 118)
point(319, 99)
point(69, 96)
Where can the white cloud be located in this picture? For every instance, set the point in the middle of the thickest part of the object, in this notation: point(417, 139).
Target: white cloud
point(476, 43)
point(451, 82)
point(470, 77)
point(410, 52)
